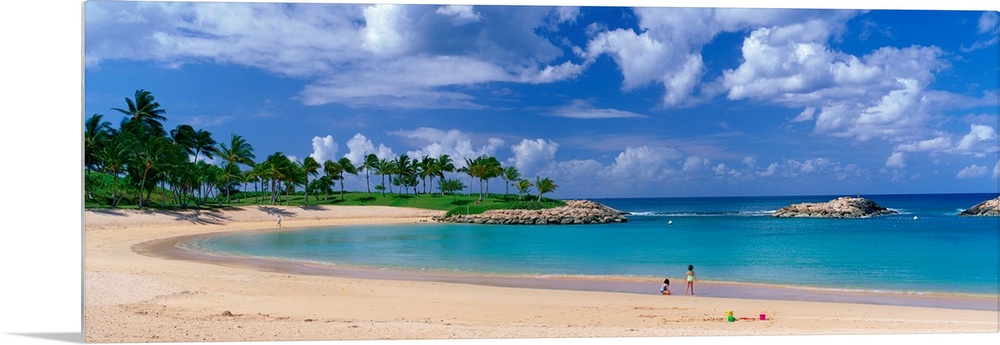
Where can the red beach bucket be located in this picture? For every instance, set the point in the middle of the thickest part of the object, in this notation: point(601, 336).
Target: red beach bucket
point(763, 317)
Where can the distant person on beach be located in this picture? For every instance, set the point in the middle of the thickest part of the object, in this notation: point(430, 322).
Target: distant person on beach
point(279, 221)
point(690, 280)
point(665, 289)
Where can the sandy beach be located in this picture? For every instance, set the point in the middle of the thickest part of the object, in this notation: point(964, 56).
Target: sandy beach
point(134, 294)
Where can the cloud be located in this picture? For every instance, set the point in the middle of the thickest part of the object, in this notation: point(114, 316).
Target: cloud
point(360, 146)
point(996, 170)
point(666, 48)
point(771, 169)
point(987, 29)
point(694, 163)
point(384, 31)
point(643, 162)
point(980, 141)
point(460, 14)
point(457, 144)
point(357, 55)
point(324, 148)
point(533, 156)
point(807, 114)
point(977, 133)
point(896, 160)
point(972, 171)
point(580, 109)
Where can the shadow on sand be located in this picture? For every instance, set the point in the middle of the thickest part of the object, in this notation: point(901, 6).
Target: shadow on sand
point(274, 211)
point(207, 217)
point(107, 211)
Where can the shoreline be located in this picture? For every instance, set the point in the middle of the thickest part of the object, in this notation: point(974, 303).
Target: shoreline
point(133, 297)
point(169, 248)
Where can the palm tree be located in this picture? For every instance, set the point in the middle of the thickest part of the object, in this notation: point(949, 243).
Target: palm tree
point(322, 184)
point(509, 174)
point(259, 172)
point(349, 168)
point(95, 135)
point(336, 171)
point(276, 169)
point(311, 167)
point(544, 185)
point(391, 169)
point(426, 168)
point(202, 142)
point(145, 110)
point(467, 169)
point(183, 135)
point(444, 164)
point(238, 152)
point(295, 176)
point(493, 169)
point(371, 160)
point(381, 168)
point(149, 156)
point(115, 155)
point(249, 175)
point(484, 167)
point(523, 187)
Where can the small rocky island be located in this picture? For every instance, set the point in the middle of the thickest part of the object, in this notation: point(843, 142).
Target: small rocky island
point(574, 212)
point(843, 207)
point(986, 208)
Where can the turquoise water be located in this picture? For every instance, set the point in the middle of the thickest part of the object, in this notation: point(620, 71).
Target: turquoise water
point(726, 239)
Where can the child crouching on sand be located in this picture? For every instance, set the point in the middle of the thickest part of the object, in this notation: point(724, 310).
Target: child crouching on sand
point(665, 289)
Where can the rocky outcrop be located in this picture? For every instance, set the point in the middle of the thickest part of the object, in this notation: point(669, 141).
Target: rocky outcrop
point(844, 207)
point(574, 212)
point(986, 208)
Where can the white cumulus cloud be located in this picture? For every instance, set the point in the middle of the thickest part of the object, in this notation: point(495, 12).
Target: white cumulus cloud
point(643, 162)
point(360, 146)
point(434, 142)
point(533, 156)
point(324, 148)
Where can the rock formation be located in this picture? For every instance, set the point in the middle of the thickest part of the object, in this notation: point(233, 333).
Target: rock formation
point(986, 208)
point(843, 207)
point(574, 212)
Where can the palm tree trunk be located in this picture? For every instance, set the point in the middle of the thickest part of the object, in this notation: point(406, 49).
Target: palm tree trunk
point(114, 189)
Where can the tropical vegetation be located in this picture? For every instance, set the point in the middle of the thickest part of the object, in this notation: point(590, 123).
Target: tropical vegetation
point(139, 163)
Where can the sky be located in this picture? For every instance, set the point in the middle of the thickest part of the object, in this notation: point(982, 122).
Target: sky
point(606, 101)
point(47, 99)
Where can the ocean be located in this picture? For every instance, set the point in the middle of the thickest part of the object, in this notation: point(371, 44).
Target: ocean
point(926, 249)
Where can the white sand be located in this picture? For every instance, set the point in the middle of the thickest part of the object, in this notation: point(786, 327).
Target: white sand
point(130, 297)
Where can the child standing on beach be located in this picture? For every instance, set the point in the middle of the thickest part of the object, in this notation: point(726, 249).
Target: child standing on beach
point(279, 221)
point(690, 280)
point(665, 289)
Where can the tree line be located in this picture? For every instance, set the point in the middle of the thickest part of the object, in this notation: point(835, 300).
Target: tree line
point(143, 158)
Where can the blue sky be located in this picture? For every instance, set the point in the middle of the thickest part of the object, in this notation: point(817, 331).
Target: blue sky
point(607, 101)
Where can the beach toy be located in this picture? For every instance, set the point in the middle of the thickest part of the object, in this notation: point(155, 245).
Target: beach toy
point(729, 316)
point(763, 317)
